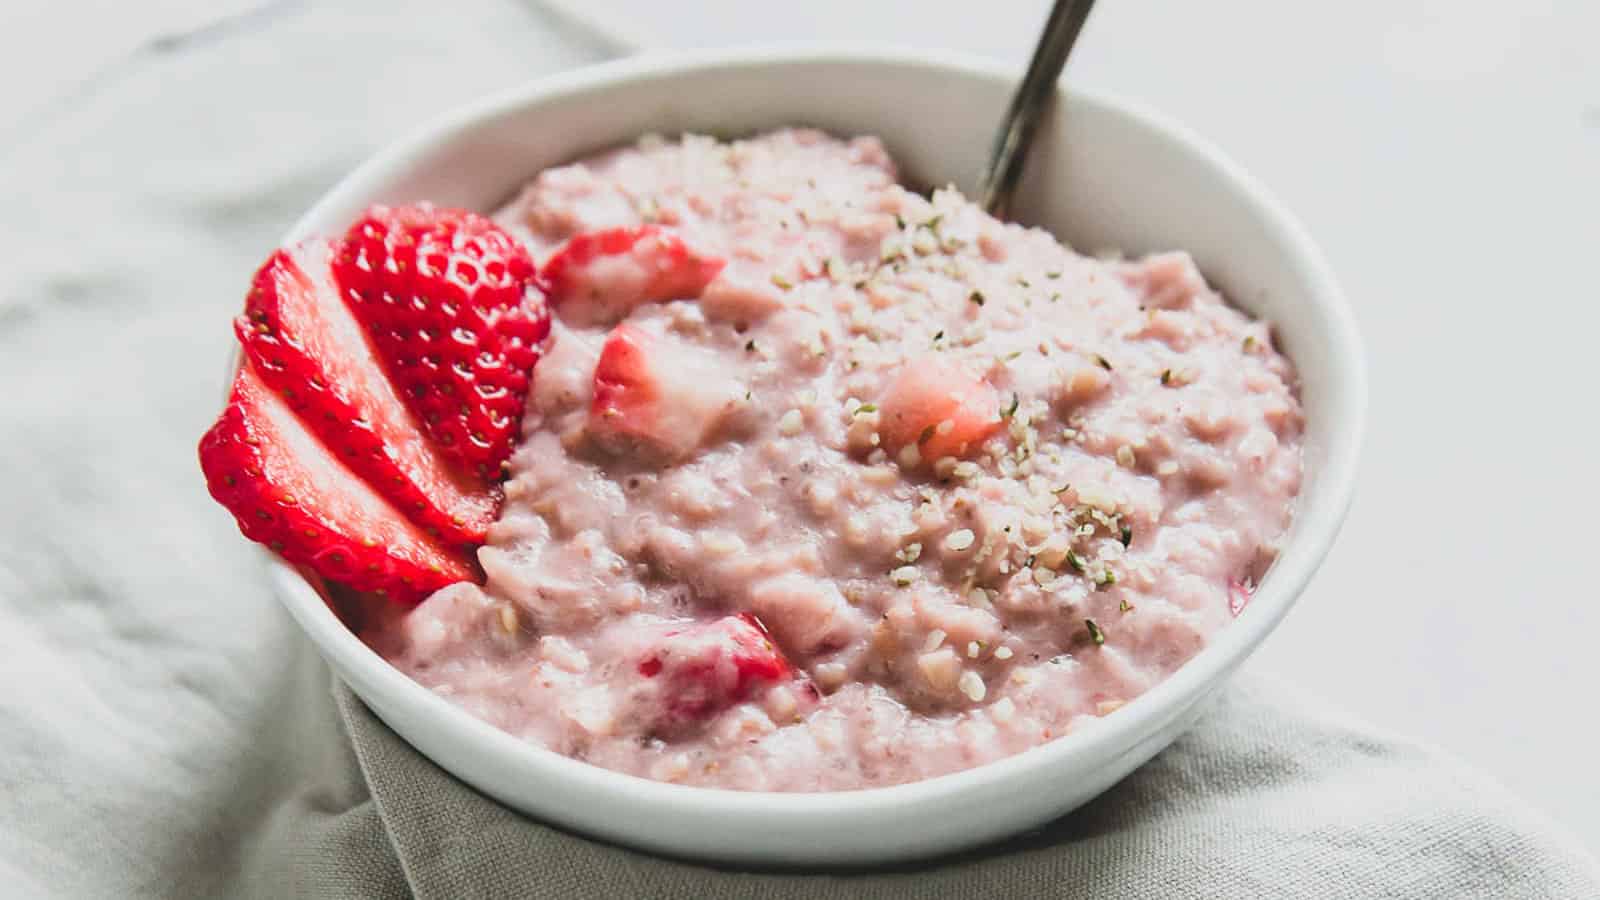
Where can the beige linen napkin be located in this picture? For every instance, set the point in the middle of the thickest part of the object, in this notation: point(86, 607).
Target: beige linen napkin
point(1266, 797)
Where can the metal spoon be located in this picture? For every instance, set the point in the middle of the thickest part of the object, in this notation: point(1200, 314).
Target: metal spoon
point(1011, 144)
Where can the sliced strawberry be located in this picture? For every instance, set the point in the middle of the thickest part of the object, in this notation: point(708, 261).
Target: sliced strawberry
point(938, 408)
point(706, 668)
point(305, 345)
point(656, 395)
point(598, 277)
point(449, 301)
point(289, 492)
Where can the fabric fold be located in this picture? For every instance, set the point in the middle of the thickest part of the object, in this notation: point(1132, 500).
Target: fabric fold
point(1267, 797)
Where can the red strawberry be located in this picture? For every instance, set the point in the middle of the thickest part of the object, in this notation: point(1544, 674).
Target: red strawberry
point(289, 492)
point(305, 345)
point(449, 300)
point(937, 407)
point(655, 395)
point(706, 668)
point(598, 277)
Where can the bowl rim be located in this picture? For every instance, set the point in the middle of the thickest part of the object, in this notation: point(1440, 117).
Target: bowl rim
point(1278, 592)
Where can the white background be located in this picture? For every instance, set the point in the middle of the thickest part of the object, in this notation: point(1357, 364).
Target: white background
point(1447, 155)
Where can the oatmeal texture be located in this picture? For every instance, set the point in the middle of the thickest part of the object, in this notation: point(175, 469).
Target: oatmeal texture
point(981, 490)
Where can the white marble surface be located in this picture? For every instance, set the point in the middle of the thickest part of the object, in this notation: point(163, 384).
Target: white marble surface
point(1447, 154)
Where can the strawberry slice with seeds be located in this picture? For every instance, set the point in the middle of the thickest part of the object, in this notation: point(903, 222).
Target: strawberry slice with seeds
point(598, 277)
point(937, 408)
point(306, 346)
point(705, 668)
point(449, 300)
point(656, 396)
point(288, 491)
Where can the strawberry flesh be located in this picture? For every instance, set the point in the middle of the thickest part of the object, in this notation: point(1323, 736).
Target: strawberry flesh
point(598, 277)
point(705, 668)
point(655, 396)
point(938, 408)
point(1238, 596)
point(288, 491)
point(450, 301)
point(306, 346)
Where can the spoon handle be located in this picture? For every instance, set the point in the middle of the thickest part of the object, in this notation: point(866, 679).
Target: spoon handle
point(1011, 144)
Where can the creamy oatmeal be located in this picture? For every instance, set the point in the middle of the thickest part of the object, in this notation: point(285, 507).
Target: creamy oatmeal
point(826, 484)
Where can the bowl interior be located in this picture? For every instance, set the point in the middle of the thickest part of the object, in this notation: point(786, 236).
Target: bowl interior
point(1104, 174)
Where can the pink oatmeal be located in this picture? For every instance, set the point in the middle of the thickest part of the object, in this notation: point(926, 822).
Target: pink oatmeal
point(980, 490)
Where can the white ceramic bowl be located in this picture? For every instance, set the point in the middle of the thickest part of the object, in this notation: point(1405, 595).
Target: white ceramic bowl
point(1104, 174)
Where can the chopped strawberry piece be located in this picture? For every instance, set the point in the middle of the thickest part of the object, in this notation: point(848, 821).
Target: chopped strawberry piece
point(1238, 596)
point(936, 407)
point(706, 668)
point(656, 395)
point(305, 345)
point(288, 491)
point(449, 300)
point(598, 277)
